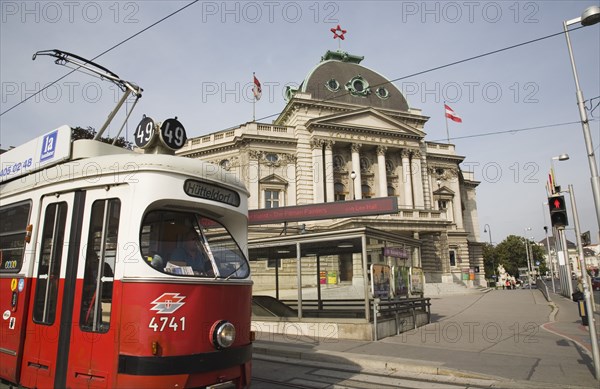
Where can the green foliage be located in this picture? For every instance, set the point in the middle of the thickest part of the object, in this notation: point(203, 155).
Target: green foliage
point(490, 262)
point(89, 133)
point(511, 254)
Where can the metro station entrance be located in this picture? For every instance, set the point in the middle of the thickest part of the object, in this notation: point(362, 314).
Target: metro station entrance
point(322, 284)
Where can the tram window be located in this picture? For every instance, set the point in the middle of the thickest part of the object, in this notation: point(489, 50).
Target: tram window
point(52, 242)
point(187, 244)
point(12, 236)
point(101, 248)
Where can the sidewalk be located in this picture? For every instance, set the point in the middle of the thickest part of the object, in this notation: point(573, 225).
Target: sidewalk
point(499, 338)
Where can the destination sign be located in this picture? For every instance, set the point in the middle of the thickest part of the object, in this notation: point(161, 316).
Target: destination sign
point(212, 192)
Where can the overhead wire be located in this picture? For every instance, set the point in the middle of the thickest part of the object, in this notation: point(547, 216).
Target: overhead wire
point(346, 93)
point(512, 131)
point(101, 54)
point(448, 65)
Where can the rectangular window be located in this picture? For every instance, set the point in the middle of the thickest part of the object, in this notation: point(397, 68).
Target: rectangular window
point(101, 249)
point(272, 198)
point(14, 220)
point(52, 243)
point(452, 258)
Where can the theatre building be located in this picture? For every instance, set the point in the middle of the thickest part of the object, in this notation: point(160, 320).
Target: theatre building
point(349, 201)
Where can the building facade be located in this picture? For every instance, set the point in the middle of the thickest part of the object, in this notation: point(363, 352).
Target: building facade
point(347, 133)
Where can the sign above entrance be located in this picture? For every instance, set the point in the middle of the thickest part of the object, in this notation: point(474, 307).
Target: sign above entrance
point(338, 209)
point(397, 252)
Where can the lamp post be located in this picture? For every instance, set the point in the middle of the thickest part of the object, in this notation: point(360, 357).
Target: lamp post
point(562, 157)
point(488, 229)
point(588, 298)
point(590, 16)
point(353, 176)
point(550, 259)
point(527, 253)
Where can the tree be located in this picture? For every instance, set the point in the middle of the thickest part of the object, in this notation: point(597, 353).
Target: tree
point(89, 133)
point(490, 262)
point(511, 254)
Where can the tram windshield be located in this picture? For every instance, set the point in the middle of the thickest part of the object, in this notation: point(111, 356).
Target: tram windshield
point(188, 244)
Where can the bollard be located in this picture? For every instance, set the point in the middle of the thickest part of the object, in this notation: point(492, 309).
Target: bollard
point(583, 313)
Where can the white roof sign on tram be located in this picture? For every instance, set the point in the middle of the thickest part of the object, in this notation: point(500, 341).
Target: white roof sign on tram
point(41, 152)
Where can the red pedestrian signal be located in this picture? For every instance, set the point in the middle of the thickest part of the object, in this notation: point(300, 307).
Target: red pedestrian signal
point(558, 211)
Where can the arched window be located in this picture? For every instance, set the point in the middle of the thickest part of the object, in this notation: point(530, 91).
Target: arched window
point(366, 191)
point(340, 191)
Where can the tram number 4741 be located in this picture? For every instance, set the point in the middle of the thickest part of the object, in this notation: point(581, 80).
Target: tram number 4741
point(159, 324)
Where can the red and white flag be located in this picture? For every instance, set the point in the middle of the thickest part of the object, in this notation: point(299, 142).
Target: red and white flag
point(257, 90)
point(450, 114)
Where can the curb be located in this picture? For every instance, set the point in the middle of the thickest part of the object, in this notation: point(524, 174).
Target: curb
point(391, 366)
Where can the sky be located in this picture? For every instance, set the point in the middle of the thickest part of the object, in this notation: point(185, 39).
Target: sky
point(518, 105)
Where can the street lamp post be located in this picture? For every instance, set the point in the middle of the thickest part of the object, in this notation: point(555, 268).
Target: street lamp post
point(550, 259)
point(562, 157)
point(353, 176)
point(589, 17)
point(527, 253)
point(589, 306)
point(488, 229)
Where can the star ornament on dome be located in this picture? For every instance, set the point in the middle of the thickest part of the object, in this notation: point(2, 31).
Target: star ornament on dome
point(338, 32)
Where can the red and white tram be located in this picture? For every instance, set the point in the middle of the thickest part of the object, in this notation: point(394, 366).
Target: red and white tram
point(92, 291)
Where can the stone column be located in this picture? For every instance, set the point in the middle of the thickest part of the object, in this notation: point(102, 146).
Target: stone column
point(357, 189)
point(318, 171)
point(418, 180)
point(290, 167)
point(406, 179)
point(456, 201)
point(382, 171)
point(253, 179)
point(330, 191)
point(427, 197)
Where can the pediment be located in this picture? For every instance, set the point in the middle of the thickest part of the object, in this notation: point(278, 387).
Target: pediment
point(273, 179)
point(443, 191)
point(365, 119)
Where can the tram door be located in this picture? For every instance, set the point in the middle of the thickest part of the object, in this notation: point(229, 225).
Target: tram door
point(47, 302)
point(94, 336)
point(73, 342)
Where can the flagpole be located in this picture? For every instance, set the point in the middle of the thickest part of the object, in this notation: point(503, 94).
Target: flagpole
point(446, 117)
point(253, 100)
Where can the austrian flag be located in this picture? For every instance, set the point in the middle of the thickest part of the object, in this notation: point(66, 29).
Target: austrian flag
point(450, 114)
point(257, 90)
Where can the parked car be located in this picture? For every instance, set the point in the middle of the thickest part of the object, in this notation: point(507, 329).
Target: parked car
point(596, 283)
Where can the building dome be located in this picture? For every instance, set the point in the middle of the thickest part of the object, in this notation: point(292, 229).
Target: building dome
point(340, 78)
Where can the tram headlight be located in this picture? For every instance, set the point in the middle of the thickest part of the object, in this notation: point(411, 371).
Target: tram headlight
point(223, 334)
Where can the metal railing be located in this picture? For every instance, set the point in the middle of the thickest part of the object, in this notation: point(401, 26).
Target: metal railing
point(356, 308)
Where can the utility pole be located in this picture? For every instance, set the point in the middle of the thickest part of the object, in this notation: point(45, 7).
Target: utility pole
point(586, 289)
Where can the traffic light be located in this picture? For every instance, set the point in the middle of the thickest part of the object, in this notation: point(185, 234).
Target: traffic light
point(558, 211)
